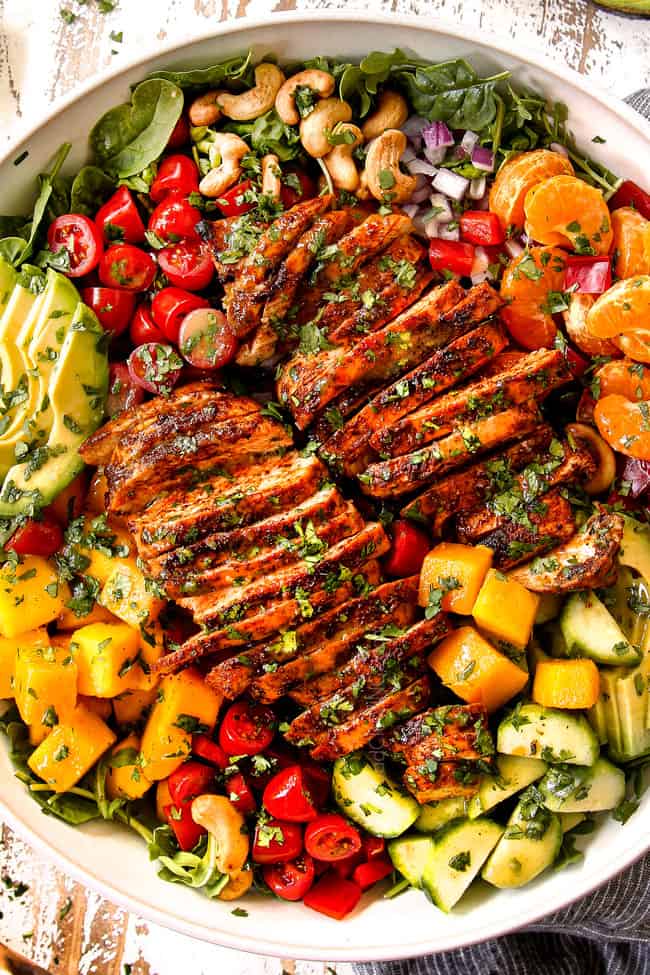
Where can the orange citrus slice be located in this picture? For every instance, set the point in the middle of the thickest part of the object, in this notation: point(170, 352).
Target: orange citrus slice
point(518, 175)
point(624, 425)
point(526, 284)
point(622, 308)
point(635, 344)
point(575, 322)
point(566, 211)
point(631, 243)
point(623, 378)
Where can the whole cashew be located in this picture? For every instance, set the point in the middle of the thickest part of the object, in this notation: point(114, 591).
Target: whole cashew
point(340, 164)
point(238, 885)
point(271, 181)
point(204, 109)
point(321, 82)
point(391, 113)
point(256, 101)
point(386, 181)
point(229, 149)
point(218, 815)
point(316, 126)
point(601, 452)
point(362, 192)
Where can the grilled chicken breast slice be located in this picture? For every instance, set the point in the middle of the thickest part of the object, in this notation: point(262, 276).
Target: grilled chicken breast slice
point(433, 781)
point(454, 732)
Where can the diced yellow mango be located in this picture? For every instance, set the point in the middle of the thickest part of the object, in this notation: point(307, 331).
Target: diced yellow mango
point(457, 569)
point(184, 703)
point(505, 609)
point(106, 656)
point(103, 564)
point(152, 648)
point(163, 799)
point(472, 668)
point(566, 684)
point(101, 706)
point(132, 707)
point(68, 620)
point(8, 651)
point(45, 686)
point(126, 781)
point(30, 595)
point(96, 497)
point(71, 750)
point(125, 594)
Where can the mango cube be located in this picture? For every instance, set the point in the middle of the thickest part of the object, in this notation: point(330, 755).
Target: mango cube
point(30, 595)
point(459, 570)
point(102, 562)
point(126, 594)
point(71, 750)
point(68, 619)
point(106, 656)
point(100, 706)
point(471, 667)
point(163, 799)
point(45, 685)
point(184, 704)
point(132, 707)
point(125, 779)
point(505, 609)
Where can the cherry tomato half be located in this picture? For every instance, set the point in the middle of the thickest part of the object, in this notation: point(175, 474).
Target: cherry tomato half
point(176, 174)
point(297, 186)
point(127, 268)
point(175, 219)
point(630, 195)
point(205, 339)
point(333, 896)
point(123, 393)
point(142, 327)
point(246, 729)
point(373, 847)
point(410, 545)
point(331, 837)
point(240, 794)
point(80, 238)
point(119, 220)
point(232, 202)
point(187, 265)
point(189, 780)
point(287, 796)
point(43, 538)
point(187, 832)
point(277, 841)
point(180, 134)
point(113, 308)
point(290, 880)
point(206, 748)
point(155, 367)
point(170, 306)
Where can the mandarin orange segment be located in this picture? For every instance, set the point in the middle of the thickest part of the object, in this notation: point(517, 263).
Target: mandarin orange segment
point(622, 308)
point(566, 211)
point(631, 243)
point(635, 344)
point(623, 378)
point(519, 174)
point(525, 287)
point(624, 425)
point(575, 322)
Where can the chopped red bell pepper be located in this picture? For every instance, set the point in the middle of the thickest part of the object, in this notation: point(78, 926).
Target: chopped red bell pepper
point(373, 846)
point(207, 749)
point(187, 832)
point(451, 255)
point(333, 896)
point(482, 228)
point(588, 275)
point(345, 868)
point(367, 874)
point(410, 545)
point(577, 363)
point(629, 194)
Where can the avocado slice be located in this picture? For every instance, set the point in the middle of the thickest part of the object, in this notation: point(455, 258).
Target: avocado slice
point(635, 547)
point(8, 277)
point(13, 361)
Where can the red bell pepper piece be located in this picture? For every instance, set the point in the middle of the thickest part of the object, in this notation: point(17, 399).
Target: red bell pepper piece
point(207, 749)
point(577, 363)
point(333, 896)
point(482, 228)
point(191, 779)
point(187, 832)
point(345, 868)
point(410, 545)
point(588, 275)
point(373, 846)
point(451, 255)
point(367, 874)
point(629, 194)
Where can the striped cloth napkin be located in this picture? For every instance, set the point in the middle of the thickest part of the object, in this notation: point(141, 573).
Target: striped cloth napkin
point(606, 933)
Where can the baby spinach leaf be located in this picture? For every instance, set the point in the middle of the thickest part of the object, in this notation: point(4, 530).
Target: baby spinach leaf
point(233, 69)
point(129, 137)
point(90, 189)
point(269, 133)
point(14, 227)
point(450, 92)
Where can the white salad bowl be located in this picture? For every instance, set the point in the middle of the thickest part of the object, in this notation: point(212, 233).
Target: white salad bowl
point(108, 857)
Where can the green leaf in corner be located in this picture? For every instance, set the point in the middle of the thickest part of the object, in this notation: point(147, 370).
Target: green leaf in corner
point(233, 69)
point(90, 189)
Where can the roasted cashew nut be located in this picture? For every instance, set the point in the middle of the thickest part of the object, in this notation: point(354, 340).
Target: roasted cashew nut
point(218, 815)
point(271, 176)
point(321, 82)
point(204, 109)
point(600, 451)
point(340, 162)
point(229, 149)
point(391, 112)
point(316, 126)
point(238, 885)
point(256, 101)
point(386, 181)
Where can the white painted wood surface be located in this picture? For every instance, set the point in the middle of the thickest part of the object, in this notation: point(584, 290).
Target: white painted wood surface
point(55, 922)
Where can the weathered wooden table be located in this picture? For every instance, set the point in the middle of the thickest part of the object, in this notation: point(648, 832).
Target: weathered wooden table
point(44, 54)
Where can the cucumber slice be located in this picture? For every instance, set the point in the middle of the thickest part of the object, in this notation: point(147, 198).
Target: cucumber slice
point(368, 797)
point(590, 630)
point(635, 547)
point(567, 788)
point(410, 855)
point(548, 607)
point(632, 709)
point(530, 843)
point(514, 775)
point(433, 815)
point(458, 852)
point(534, 731)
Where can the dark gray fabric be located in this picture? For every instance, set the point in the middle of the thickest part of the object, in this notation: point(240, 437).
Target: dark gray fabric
point(606, 933)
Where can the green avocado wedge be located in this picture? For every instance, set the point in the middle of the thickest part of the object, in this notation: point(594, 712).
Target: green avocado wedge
point(640, 8)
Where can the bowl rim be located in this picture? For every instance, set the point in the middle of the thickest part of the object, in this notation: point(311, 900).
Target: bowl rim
point(84, 874)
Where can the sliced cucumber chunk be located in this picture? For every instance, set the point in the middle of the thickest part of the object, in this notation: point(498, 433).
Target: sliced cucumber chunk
point(458, 852)
point(368, 797)
point(548, 607)
point(635, 547)
point(534, 731)
point(410, 855)
point(632, 699)
point(529, 845)
point(433, 815)
point(514, 774)
point(568, 788)
point(590, 630)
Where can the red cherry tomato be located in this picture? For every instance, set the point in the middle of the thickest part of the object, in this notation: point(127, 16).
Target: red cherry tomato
point(119, 220)
point(113, 308)
point(345, 868)
point(373, 847)
point(175, 219)
point(240, 794)
point(232, 202)
point(170, 306)
point(205, 339)
point(333, 896)
point(451, 255)
point(80, 238)
point(318, 782)
point(157, 368)
point(43, 538)
point(176, 174)
point(123, 393)
point(187, 832)
point(206, 748)
point(277, 841)
point(180, 134)
point(297, 186)
point(630, 195)
point(588, 275)
point(276, 758)
point(142, 328)
point(187, 265)
point(367, 874)
point(189, 780)
point(331, 837)
point(290, 880)
point(482, 228)
point(127, 268)
point(287, 796)
point(410, 545)
point(246, 729)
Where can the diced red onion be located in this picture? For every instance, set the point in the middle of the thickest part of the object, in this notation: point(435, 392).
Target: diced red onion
point(437, 134)
point(637, 474)
point(420, 195)
point(413, 126)
point(441, 204)
point(411, 209)
point(481, 261)
point(560, 149)
point(420, 166)
point(482, 204)
point(477, 188)
point(469, 141)
point(479, 278)
point(451, 184)
point(435, 156)
point(513, 248)
point(432, 228)
point(419, 225)
point(408, 154)
point(445, 233)
point(483, 159)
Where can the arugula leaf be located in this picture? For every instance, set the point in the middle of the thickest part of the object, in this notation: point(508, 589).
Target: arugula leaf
point(238, 68)
point(197, 869)
point(90, 189)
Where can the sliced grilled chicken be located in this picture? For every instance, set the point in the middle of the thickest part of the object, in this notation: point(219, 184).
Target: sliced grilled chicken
point(582, 563)
point(334, 417)
point(230, 241)
point(391, 478)
point(454, 732)
point(432, 781)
